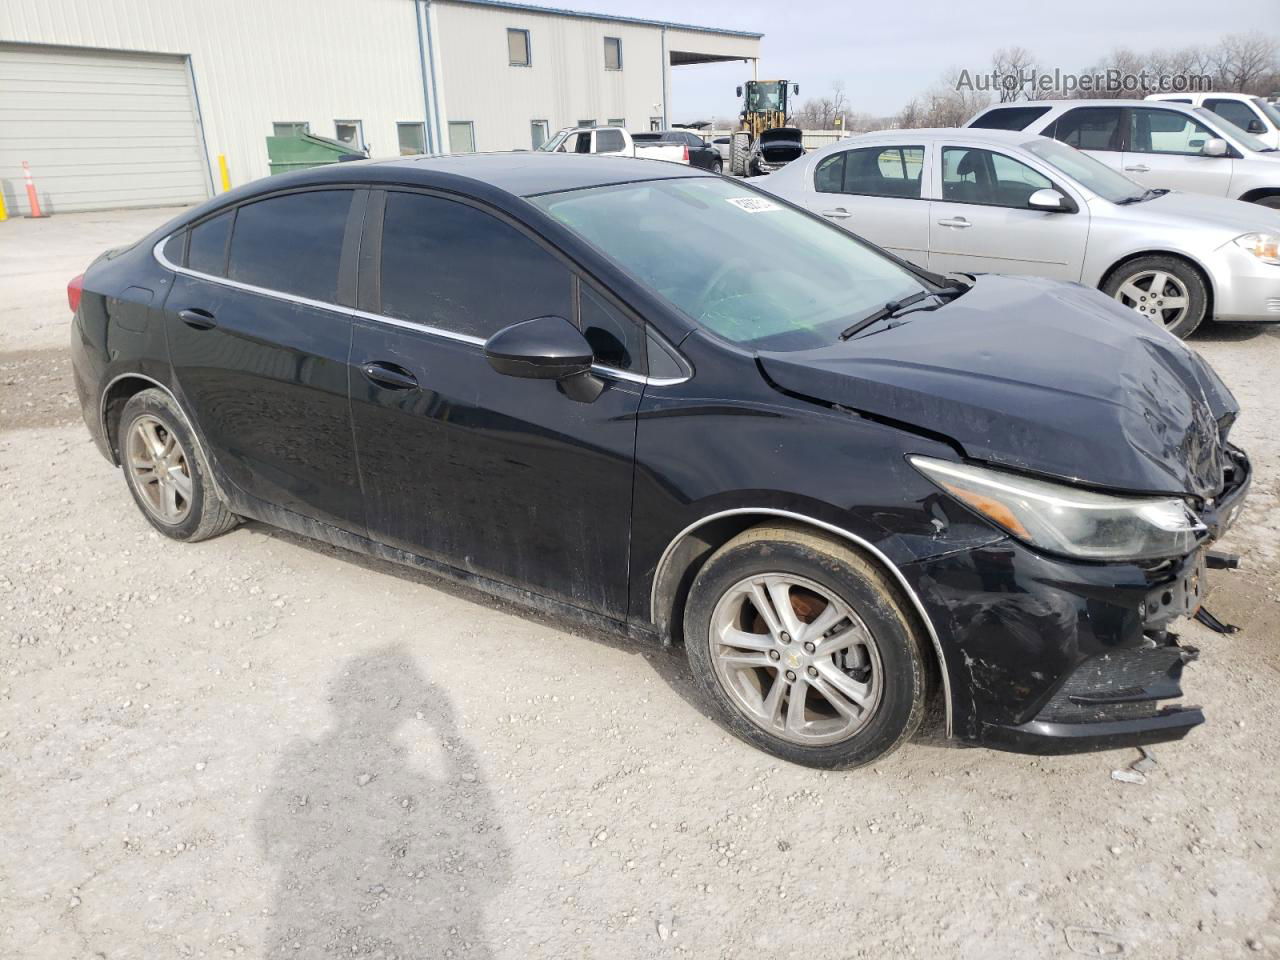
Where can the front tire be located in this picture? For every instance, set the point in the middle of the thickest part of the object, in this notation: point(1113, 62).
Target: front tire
point(804, 649)
point(1165, 290)
point(165, 471)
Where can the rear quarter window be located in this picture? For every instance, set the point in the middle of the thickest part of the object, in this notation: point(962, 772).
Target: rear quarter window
point(207, 249)
point(1009, 118)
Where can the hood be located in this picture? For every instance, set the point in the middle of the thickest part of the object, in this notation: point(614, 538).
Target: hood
point(1048, 377)
point(1232, 216)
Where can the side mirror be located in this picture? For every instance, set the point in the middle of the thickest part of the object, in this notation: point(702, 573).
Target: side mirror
point(739, 92)
point(1048, 200)
point(795, 89)
point(1216, 147)
point(546, 348)
point(1255, 126)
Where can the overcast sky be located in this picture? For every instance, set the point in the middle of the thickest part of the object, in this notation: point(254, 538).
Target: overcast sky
point(885, 52)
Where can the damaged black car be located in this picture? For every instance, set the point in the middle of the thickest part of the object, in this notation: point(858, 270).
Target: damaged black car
point(661, 402)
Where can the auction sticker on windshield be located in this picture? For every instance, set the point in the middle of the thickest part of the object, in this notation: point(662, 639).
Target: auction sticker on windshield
point(753, 204)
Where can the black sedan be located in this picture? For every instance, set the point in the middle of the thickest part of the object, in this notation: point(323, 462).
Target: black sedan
point(701, 154)
point(659, 400)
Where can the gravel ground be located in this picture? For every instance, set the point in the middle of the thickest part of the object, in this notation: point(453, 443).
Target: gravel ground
point(261, 746)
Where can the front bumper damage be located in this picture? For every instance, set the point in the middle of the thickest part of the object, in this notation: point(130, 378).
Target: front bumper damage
point(1054, 656)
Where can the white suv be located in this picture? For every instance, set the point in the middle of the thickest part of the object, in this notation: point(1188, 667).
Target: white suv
point(1251, 114)
point(1161, 145)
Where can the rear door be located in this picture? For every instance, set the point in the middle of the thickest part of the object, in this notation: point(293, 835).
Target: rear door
point(1098, 131)
point(983, 222)
point(502, 477)
point(259, 330)
point(876, 193)
point(1163, 150)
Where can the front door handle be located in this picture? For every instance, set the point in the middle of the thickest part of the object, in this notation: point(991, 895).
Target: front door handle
point(389, 375)
point(197, 319)
point(838, 213)
point(959, 223)
point(1138, 168)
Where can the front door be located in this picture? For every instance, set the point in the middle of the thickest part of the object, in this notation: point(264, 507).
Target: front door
point(875, 192)
point(502, 477)
point(259, 339)
point(983, 223)
point(1164, 151)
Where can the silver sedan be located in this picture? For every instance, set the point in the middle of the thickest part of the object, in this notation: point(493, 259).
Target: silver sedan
point(997, 201)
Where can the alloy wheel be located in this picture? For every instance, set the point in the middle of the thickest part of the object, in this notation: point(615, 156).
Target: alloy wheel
point(796, 659)
point(160, 471)
point(1157, 295)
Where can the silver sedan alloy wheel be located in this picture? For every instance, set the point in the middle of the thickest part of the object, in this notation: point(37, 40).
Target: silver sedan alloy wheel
point(160, 469)
point(1159, 296)
point(796, 659)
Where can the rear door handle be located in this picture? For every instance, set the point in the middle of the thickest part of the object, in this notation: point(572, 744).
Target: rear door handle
point(839, 213)
point(197, 319)
point(959, 222)
point(1138, 168)
point(389, 375)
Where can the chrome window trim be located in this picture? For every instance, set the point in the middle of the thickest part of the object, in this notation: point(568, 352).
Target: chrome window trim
point(612, 373)
point(879, 555)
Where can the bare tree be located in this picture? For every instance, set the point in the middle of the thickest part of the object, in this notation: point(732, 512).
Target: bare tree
point(1013, 65)
point(911, 116)
point(820, 113)
point(1245, 62)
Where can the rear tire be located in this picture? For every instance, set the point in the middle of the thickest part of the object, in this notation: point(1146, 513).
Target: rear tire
point(166, 472)
point(1165, 290)
point(718, 167)
point(842, 694)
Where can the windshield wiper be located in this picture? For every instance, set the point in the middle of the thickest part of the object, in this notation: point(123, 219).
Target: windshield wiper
point(1149, 194)
point(895, 308)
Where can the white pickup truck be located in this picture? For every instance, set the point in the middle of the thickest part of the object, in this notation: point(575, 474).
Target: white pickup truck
point(614, 142)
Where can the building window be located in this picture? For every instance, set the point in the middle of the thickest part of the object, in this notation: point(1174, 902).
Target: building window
point(412, 137)
point(518, 47)
point(350, 132)
point(538, 131)
point(612, 53)
point(290, 128)
point(655, 123)
point(586, 123)
point(618, 122)
point(462, 136)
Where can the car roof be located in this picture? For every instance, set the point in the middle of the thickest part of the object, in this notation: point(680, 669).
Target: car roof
point(521, 174)
point(1066, 104)
point(976, 134)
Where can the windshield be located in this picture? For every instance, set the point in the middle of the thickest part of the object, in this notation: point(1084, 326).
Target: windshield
point(1269, 109)
point(1085, 170)
point(763, 97)
point(1246, 140)
point(745, 267)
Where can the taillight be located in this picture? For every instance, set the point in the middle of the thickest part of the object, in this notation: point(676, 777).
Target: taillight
point(74, 289)
point(686, 153)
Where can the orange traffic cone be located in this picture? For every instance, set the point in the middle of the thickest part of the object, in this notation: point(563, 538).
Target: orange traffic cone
point(32, 200)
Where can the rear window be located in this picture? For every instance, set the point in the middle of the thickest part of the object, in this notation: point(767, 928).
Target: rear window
point(291, 243)
point(1009, 118)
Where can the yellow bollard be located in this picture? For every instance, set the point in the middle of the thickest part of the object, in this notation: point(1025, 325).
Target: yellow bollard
point(222, 169)
point(4, 211)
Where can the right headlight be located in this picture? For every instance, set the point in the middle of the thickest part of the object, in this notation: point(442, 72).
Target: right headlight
point(1264, 246)
point(1067, 520)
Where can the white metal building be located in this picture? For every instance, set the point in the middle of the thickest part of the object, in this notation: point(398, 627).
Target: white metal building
point(119, 103)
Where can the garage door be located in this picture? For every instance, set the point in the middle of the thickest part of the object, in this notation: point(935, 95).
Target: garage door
point(100, 130)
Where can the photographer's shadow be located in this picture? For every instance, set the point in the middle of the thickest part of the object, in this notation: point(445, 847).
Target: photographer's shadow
point(376, 857)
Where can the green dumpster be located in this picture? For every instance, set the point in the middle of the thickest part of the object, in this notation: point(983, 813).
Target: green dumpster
point(306, 150)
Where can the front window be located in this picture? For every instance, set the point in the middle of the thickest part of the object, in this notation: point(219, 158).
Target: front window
point(1085, 170)
point(1269, 110)
point(970, 175)
point(751, 270)
point(1237, 112)
point(1167, 131)
point(1246, 140)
